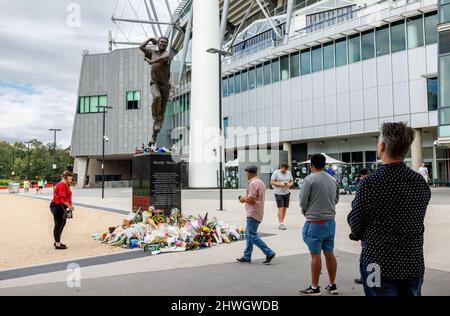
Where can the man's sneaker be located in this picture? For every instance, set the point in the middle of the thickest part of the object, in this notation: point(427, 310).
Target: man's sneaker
point(310, 292)
point(332, 289)
point(243, 260)
point(269, 259)
point(282, 227)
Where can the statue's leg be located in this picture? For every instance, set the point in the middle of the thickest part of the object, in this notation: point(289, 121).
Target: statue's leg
point(165, 94)
point(156, 105)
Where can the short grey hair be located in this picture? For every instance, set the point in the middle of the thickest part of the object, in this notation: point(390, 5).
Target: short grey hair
point(398, 138)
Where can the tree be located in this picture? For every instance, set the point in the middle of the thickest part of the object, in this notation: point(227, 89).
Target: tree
point(33, 162)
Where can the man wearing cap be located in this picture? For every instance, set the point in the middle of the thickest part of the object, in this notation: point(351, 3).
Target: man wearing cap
point(254, 204)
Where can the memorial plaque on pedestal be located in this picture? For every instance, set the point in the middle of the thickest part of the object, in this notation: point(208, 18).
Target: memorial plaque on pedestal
point(156, 182)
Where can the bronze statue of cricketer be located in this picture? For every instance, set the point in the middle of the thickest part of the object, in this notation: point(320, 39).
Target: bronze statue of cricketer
point(160, 61)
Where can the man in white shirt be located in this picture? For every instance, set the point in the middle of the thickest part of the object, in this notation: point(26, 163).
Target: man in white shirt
point(282, 181)
point(423, 170)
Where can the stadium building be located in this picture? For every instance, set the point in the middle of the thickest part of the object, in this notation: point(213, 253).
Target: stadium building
point(326, 74)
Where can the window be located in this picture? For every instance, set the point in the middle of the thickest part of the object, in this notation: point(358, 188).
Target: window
point(251, 78)
point(316, 58)
point(284, 66)
point(398, 36)
point(414, 27)
point(108, 178)
point(320, 20)
point(90, 104)
point(444, 116)
point(444, 131)
point(341, 52)
point(169, 108)
point(259, 76)
point(267, 73)
point(371, 156)
point(94, 105)
point(133, 100)
point(244, 81)
point(225, 87)
point(305, 57)
point(230, 85)
point(444, 13)
point(237, 83)
point(444, 81)
point(81, 105)
point(189, 101)
point(383, 41)
point(357, 156)
point(276, 70)
point(367, 45)
point(354, 48)
point(328, 55)
point(444, 42)
point(431, 21)
point(295, 64)
point(432, 88)
point(225, 127)
point(182, 104)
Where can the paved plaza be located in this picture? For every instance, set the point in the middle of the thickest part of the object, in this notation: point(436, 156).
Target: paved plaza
point(116, 272)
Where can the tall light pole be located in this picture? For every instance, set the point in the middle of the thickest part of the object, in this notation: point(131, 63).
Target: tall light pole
point(104, 109)
point(220, 53)
point(29, 143)
point(13, 172)
point(54, 130)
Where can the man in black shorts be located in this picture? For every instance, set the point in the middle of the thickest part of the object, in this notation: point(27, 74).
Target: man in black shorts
point(282, 181)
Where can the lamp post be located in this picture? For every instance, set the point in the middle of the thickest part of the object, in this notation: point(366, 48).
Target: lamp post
point(13, 163)
point(29, 143)
point(54, 130)
point(104, 109)
point(220, 53)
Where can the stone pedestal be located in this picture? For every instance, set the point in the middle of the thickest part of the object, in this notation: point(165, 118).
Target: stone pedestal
point(156, 182)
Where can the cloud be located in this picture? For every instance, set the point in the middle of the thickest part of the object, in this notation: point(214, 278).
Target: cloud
point(26, 116)
point(40, 59)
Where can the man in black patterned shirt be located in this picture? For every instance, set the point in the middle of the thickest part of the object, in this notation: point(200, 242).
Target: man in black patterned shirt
point(388, 217)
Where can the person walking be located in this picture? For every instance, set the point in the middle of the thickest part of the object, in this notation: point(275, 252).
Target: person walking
point(282, 181)
point(26, 186)
point(388, 217)
point(423, 171)
point(318, 199)
point(41, 185)
point(62, 201)
point(254, 204)
point(36, 186)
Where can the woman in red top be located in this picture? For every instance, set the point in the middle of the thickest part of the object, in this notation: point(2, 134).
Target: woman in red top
point(62, 200)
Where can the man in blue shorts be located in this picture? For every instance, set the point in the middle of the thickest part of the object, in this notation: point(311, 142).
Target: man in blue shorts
point(318, 199)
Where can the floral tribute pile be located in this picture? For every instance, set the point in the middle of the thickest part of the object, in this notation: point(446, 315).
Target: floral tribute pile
point(158, 231)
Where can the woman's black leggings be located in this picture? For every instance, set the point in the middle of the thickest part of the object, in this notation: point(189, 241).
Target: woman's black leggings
point(60, 221)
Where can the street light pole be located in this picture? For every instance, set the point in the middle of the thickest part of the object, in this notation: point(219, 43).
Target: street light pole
point(54, 130)
point(13, 163)
point(220, 53)
point(104, 108)
point(28, 158)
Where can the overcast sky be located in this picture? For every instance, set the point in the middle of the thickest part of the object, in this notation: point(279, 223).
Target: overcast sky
point(41, 43)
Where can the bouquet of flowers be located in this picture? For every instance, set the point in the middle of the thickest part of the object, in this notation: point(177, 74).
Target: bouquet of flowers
point(158, 216)
point(205, 231)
